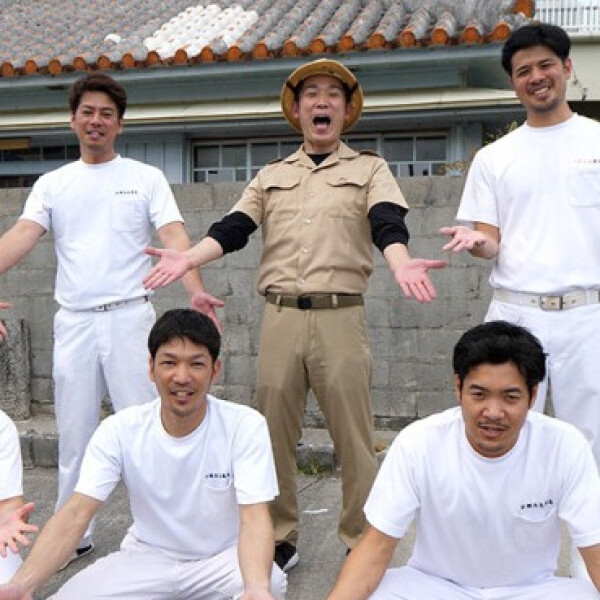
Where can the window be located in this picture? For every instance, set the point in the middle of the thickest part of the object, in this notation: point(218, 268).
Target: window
point(236, 161)
point(407, 155)
point(20, 167)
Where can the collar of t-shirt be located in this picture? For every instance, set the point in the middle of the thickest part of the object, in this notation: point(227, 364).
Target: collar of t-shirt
point(319, 158)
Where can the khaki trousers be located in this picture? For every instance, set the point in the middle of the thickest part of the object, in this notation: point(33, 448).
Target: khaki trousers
point(327, 351)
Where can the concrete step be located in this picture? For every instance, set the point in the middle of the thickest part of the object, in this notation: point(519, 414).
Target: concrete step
point(39, 445)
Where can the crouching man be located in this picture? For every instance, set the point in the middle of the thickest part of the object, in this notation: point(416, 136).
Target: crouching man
point(199, 472)
point(488, 483)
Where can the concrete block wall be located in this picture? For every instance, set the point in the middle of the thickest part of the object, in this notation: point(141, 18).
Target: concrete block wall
point(411, 343)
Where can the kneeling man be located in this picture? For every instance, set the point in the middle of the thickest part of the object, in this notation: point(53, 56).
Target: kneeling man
point(488, 484)
point(199, 472)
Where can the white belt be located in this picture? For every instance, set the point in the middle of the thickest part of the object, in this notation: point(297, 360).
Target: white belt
point(120, 304)
point(549, 301)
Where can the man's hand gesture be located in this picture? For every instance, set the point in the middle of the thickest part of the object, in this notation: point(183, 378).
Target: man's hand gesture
point(463, 238)
point(13, 529)
point(173, 265)
point(413, 279)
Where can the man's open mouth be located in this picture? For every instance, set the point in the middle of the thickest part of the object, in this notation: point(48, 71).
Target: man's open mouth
point(322, 120)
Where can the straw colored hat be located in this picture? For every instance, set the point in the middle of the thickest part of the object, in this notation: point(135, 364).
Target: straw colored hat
point(322, 66)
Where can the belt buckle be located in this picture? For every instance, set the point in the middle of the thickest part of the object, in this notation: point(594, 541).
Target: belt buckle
point(551, 302)
point(304, 303)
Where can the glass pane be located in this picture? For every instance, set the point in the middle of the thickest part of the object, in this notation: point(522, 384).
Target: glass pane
point(234, 155)
point(359, 144)
point(240, 175)
point(431, 148)
point(438, 168)
point(199, 176)
point(421, 168)
point(262, 153)
point(405, 170)
point(53, 152)
point(73, 152)
point(17, 181)
point(287, 148)
point(206, 156)
point(398, 149)
point(24, 154)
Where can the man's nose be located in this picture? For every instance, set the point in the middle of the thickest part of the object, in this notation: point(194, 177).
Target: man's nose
point(494, 408)
point(182, 374)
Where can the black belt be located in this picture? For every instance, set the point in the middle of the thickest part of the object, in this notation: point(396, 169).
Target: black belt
point(315, 301)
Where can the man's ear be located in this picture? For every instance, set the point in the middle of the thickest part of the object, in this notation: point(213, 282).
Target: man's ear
point(533, 397)
point(295, 109)
point(348, 112)
point(151, 370)
point(216, 370)
point(568, 65)
point(457, 388)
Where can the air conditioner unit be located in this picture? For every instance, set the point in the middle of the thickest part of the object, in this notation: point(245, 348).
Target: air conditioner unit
point(222, 174)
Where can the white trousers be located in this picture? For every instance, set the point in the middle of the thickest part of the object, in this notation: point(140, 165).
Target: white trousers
point(8, 566)
point(96, 353)
point(571, 339)
point(407, 583)
point(140, 572)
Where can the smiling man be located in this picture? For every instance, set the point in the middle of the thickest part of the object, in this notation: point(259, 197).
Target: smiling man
point(102, 210)
point(531, 204)
point(488, 484)
point(321, 210)
point(199, 472)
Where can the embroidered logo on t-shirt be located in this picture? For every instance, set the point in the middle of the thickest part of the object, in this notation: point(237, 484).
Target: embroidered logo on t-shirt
point(126, 192)
point(534, 505)
point(217, 475)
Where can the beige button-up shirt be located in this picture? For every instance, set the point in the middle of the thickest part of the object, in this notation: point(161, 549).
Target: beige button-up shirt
point(316, 233)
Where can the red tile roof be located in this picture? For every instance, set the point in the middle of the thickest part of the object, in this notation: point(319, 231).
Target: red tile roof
point(57, 36)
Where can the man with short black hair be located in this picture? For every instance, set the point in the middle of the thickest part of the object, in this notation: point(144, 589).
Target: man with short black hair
point(488, 484)
point(199, 473)
point(102, 210)
point(532, 205)
point(321, 210)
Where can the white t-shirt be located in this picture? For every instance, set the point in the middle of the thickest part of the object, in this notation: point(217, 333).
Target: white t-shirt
point(11, 473)
point(102, 218)
point(541, 187)
point(487, 522)
point(184, 492)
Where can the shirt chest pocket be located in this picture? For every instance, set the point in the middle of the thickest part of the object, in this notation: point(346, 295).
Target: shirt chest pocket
point(281, 197)
point(536, 525)
point(345, 196)
point(126, 212)
point(584, 184)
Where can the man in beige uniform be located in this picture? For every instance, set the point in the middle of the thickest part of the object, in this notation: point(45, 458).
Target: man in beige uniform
point(320, 209)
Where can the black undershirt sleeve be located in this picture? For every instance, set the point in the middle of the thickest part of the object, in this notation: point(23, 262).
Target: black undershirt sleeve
point(387, 225)
point(232, 231)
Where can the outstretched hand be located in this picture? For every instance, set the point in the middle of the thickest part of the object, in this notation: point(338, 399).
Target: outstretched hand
point(3, 332)
point(13, 529)
point(413, 278)
point(463, 238)
point(205, 303)
point(173, 265)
